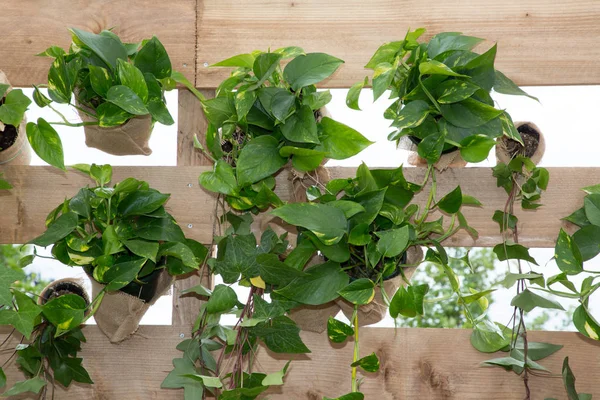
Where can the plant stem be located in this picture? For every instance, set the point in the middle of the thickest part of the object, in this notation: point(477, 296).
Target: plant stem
point(430, 197)
point(356, 350)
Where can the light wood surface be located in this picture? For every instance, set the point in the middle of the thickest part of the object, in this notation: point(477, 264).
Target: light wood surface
point(540, 42)
point(39, 189)
point(415, 364)
point(29, 27)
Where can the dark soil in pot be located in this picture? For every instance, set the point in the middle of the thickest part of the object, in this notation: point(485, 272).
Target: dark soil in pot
point(358, 273)
point(531, 139)
point(60, 288)
point(8, 137)
point(239, 136)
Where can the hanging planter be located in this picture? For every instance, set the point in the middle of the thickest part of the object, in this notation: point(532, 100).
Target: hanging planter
point(62, 287)
point(130, 254)
point(443, 104)
point(117, 88)
point(532, 144)
point(14, 146)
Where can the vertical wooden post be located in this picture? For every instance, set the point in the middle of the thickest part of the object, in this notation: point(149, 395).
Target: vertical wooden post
point(191, 121)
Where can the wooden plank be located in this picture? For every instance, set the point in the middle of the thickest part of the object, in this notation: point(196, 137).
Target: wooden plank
point(191, 122)
point(39, 189)
point(539, 41)
point(32, 26)
point(415, 363)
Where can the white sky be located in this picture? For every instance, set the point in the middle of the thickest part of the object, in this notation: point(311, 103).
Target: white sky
point(562, 112)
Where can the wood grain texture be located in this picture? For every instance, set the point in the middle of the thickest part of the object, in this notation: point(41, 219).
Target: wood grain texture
point(191, 122)
point(24, 208)
point(415, 364)
point(539, 41)
point(34, 25)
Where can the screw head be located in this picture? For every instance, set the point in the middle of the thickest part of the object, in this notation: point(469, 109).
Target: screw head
point(205, 64)
point(189, 185)
point(190, 226)
point(182, 335)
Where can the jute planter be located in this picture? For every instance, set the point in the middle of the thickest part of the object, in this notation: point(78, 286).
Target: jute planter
point(18, 150)
point(535, 144)
point(131, 138)
point(120, 312)
point(376, 310)
point(61, 287)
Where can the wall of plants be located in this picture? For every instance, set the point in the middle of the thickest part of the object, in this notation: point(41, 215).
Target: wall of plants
point(344, 245)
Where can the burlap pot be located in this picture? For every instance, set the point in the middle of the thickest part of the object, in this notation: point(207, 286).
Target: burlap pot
point(20, 152)
point(120, 313)
point(131, 138)
point(452, 159)
point(376, 310)
point(507, 148)
point(61, 287)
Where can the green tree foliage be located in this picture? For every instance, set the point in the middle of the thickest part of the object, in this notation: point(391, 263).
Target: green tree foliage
point(10, 256)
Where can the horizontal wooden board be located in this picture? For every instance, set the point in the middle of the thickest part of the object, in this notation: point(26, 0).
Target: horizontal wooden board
point(39, 189)
point(29, 27)
point(539, 41)
point(415, 363)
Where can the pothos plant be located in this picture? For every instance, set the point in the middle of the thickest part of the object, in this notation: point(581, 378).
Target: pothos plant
point(13, 105)
point(264, 116)
point(122, 235)
point(524, 183)
point(364, 227)
point(442, 91)
point(219, 360)
point(111, 81)
point(52, 334)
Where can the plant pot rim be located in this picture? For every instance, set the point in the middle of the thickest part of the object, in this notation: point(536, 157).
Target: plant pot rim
point(416, 142)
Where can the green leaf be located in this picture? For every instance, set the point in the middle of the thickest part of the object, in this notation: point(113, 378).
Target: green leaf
point(455, 90)
point(403, 303)
point(220, 180)
point(317, 100)
point(7, 277)
point(110, 114)
point(33, 385)
point(59, 229)
point(281, 335)
point(508, 128)
point(259, 159)
point(502, 84)
point(276, 378)
point(181, 252)
point(513, 252)
point(490, 337)
point(328, 223)
point(447, 41)
point(241, 60)
point(106, 47)
point(510, 279)
point(385, 53)
point(382, 78)
point(223, 299)
point(339, 141)
point(451, 202)
point(476, 148)
point(349, 396)
point(569, 382)
point(153, 58)
point(2, 378)
point(505, 219)
point(434, 67)
point(320, 285)
point(219, 109)
point(60, 81)
point(52, 51)
point(264, 65)
point(275, 272)
point(337, 331)
point(24, 318)
point(567, 255)
point(142, 248)
point(199, 290)
point(309, 69)
point(585, 323)
point(587, 240)
point(538, 350)
point(369, 363)
point(354, 94)
point(121, 274)
point(133, 78)
point(40, 99)
point(102, 174)
point(46, 143)
point(159, 111)
point(359, 292)
point(412, 114)
point(66, 312)
point(591, 205)
point(431, 147)
point(469, 113)
point(527, 301)
point(13, 109)
point(301, 126)
point(282, 103)
point(126, 99)
point(393, 242)
point(142, 202)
